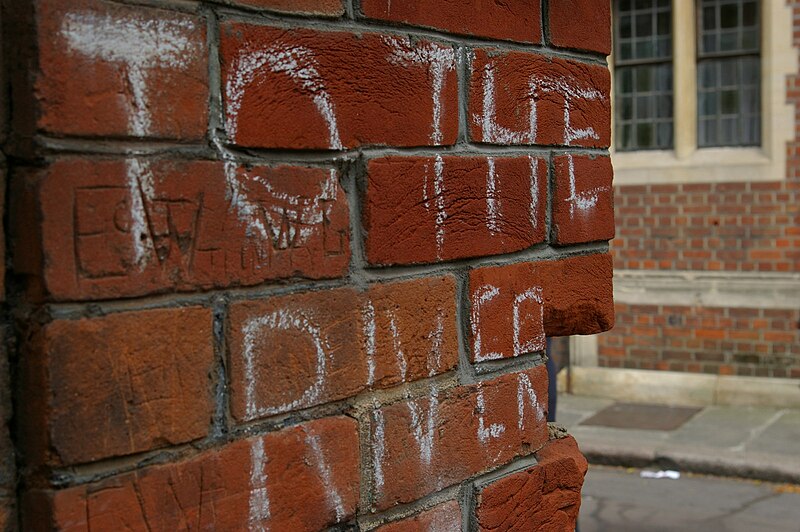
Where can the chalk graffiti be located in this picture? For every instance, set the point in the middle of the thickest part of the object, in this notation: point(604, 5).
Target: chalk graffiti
point(494, 430)
point(537, 343)
point(423, 424)
point(582, 201)
point(259, 498)
point(492, 199)
point(525, 391)
point(299, 64)
point(480, 297)
point(256, 330)
point(137, 46)
point(324, 472)
point(565, 86)
point(534, 207)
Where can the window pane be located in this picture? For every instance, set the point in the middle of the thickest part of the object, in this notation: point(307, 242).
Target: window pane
point(729, 101)
point(729, 15)
point(643, 114)
point(643, 30)
point(728, 26)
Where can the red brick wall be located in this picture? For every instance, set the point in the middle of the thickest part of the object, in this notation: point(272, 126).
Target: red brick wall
point(725, 341)
point(290, 265)
point(726, 227)
point(750, 227)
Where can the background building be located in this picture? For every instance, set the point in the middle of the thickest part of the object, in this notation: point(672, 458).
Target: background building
point(707, 190)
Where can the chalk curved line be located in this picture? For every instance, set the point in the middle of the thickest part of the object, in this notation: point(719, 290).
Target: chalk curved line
point(282, 320)
point(298, 63)
point(537, 344)
point(308, 212)
point(481, 296)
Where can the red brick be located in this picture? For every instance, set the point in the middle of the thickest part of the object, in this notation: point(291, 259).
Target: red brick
point(577, 296)
point(119, 228)
point(304, 478)
point(445, 517)
point(544, 497)
point(119, 384)
point(143, 72)
point(426, 209)
point(581, 24)
point(312, 7)
point(300, 350)
point(526, 98)
point(396, 93)
point(583, 206)
point(517, 20)
point(424, 445)
point(506, 319)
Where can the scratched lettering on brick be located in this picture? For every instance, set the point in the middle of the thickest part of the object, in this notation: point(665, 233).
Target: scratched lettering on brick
point(177, 225)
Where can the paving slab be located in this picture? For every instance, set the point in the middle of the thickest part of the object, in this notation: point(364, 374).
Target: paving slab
point(722, 427)
point(781, 437)
point(749, 442)
point(640, 416)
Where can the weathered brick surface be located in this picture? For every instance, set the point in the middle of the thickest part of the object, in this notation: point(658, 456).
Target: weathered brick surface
point(118, 228)
point(313, 7)
point(144, 72)
point(525, 98)
point(119, 384)
point(576, 295)
point(427, 209)
point(301, 350)
point(517, 20)
point(545, 497)
point(398, 92)
point(230, 220)
point(445, 517)
point(268, 482)
point(570, 19)
point(423, 445)
point(583, 200)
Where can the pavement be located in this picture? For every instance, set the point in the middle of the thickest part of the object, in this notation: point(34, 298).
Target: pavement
point(737, 441)
point(619, 500)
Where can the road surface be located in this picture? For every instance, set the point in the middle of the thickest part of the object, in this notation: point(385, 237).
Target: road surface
point(618, 500)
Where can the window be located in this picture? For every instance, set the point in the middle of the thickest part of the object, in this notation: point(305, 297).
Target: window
point(728, 95)
point(643, 51)
point(699, 90)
